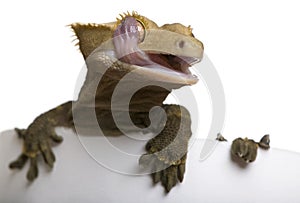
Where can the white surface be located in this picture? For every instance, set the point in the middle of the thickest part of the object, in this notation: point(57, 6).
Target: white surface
point(274, 177)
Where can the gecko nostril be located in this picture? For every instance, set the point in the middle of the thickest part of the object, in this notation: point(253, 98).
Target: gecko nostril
point(181, 44)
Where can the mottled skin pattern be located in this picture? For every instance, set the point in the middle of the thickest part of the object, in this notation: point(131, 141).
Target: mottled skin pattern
point(40, 135)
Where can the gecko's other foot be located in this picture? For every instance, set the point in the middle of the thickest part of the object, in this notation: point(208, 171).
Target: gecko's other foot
point(164, 171)
point(245, 149)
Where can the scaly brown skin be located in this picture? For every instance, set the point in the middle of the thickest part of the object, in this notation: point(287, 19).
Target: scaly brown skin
point(167, 151)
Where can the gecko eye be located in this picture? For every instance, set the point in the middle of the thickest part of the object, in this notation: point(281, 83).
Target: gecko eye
point(142, 31)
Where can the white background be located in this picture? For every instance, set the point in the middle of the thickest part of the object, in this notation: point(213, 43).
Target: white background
point(254, 46)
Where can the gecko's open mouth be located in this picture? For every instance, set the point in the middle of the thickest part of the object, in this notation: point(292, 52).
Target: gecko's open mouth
point(174, 63)
point(170, 62)
point(164, 65)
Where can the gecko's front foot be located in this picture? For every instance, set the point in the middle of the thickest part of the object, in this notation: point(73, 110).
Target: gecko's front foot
point(166, 153)
point(37, 141)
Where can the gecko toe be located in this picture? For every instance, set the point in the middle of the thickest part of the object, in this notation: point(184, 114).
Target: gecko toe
point(32, 173)
point(19, 163)
point(47, 153)
point(181, 171)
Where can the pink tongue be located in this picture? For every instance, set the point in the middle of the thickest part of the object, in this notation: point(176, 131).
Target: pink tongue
point(125, 40)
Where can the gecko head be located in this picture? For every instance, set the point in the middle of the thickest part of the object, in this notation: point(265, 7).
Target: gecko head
point(160, 52)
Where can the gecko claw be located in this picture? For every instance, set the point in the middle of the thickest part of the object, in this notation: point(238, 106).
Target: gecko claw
point(220, 138)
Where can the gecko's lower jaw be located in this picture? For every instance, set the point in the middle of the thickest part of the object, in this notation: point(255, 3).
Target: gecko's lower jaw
point(174, 66)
